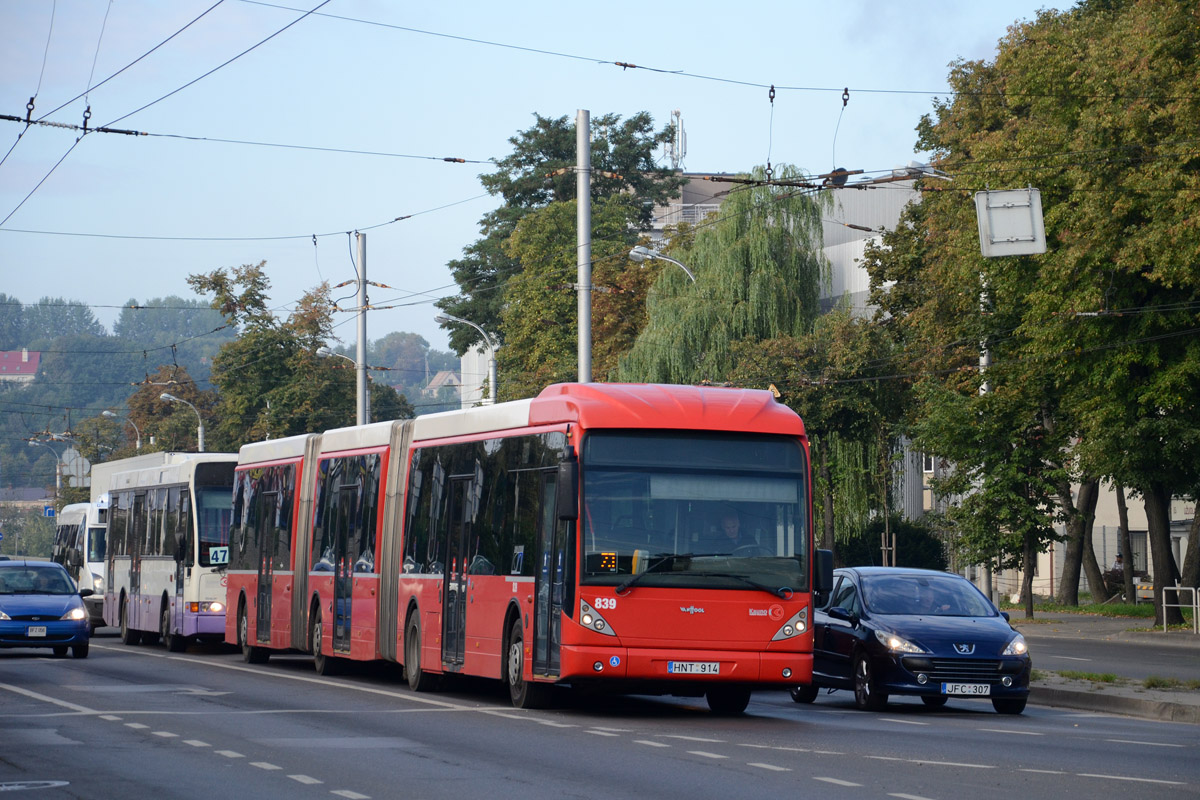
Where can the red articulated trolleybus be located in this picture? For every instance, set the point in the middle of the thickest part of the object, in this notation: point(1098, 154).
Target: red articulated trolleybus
point(632, 538)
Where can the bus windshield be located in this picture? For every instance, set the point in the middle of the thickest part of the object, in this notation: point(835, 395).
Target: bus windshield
point(214, 512)
point(694, 510)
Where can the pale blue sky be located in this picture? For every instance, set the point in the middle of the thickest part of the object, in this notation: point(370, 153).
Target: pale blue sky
point(344, 84)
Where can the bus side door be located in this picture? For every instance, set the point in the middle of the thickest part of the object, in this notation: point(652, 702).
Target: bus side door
point(551, 577)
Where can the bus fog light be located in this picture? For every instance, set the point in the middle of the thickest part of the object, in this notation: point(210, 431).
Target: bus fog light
point(598, 667)
point(1006, 680)
point(788, 630)
point(599, 624)
point(787, 672)
point(922, 679)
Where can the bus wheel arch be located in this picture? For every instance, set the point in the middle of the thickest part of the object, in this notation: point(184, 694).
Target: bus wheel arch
point(324, 665)
point(250, 653)
point(172, 640)
point(419, 680)
point(523, 693)
point(129, 636)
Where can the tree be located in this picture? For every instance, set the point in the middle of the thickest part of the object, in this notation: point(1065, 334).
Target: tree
point(538, 172)
point(1090, 105)
point(52, 317)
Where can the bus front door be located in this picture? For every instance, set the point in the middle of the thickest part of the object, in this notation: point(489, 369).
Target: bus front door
point(454, 593)
point(550, 585)
point(267, 538)
point(137, 542)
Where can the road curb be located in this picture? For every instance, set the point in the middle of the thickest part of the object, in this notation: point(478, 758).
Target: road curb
point(1158, 637)
point(1114, 704)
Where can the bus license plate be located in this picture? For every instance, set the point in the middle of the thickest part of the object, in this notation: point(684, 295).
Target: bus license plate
point(36, 631)
point(971, 689)
point(694, 667)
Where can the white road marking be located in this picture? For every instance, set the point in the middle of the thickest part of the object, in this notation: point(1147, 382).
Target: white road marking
point(196, 743)
point(908, 796)
point(47, 699)
point(1147, 744)
point(1067, 658)
point(693, 738)
point(776, 747)
point(902, 721)
point(612, 730)
point(703, 754)
point(1129, 778)
point(306, 780)
point(166, 734)
point(264, 765)
point(351, 795)
point(770, 767)
point(835, 781)
point(137, 726)
point(602, 733)
point(1017, 733)
point(649, 743)
point(229, 753)
point(110, 717)
point(951, 764)
point(1044, 771)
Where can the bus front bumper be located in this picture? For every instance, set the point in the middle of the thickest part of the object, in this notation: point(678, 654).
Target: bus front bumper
point(672, 665)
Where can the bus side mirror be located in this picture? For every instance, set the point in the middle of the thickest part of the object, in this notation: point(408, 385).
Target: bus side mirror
point(823, 574)
point(567, 488)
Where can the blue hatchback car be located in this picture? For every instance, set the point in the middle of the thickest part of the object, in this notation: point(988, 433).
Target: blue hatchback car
point(40, 606)
point(890, 630)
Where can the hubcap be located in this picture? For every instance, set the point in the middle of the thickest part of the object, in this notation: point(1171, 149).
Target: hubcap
point(515, 663)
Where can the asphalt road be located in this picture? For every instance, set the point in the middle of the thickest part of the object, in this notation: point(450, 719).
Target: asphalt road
point(141, 722)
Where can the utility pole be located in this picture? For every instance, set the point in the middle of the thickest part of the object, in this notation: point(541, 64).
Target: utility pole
point(360, 361)
point(583, 195)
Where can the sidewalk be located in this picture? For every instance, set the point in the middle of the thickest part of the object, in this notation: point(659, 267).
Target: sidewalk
point(1131, 699)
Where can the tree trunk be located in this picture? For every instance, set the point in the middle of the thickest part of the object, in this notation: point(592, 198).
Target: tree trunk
point(1125, 545)
point(1029, 563)
point(1191, 559)
point(1079, 526)
point(1088, 495)
point(1158, 522)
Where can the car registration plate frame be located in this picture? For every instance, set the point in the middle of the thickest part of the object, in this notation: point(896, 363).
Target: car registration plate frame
point(967, 689)
point(36, 631)
point(694, 667)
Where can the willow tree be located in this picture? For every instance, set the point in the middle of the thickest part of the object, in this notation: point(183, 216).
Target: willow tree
point(759, 271)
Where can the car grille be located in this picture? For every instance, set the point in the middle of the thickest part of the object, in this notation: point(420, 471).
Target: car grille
point(977, 670)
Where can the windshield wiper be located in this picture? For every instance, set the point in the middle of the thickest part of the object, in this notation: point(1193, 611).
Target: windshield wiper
point(665, 560)
point(783, 591)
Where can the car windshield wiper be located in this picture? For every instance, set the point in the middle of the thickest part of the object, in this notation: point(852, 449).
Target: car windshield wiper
point(665, 559)
point(782, 591)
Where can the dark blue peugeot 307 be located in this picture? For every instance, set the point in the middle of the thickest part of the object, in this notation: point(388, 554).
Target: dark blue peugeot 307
point(40, 606)
point(890, 630)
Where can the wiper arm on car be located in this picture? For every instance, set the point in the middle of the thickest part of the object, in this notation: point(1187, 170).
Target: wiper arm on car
point(782, 591)
point(666, 559)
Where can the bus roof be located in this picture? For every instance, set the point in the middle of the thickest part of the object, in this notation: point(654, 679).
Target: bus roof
point(274, 449)
point(176, 472)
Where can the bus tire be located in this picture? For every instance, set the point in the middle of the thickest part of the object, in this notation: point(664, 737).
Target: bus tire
point(128, 635)
point(728, 701)
point(79, 650)
point(250, 653)
point(804, 694)
point(174, 642)
point(523, 693)
point(325, 665)
point(418, 679)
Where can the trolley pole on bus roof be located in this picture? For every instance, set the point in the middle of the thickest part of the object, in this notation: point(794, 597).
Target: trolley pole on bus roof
point(583, 195)
point(360, 361)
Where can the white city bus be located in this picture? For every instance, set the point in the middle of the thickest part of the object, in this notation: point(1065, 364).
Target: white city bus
point(79, 545)
point(167, 549)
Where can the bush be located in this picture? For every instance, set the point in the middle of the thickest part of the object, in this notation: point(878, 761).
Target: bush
point(916, 546)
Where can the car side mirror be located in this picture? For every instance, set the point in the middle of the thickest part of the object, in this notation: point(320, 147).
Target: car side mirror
point(837, 612)
point(86, 592)
point(1006, 617)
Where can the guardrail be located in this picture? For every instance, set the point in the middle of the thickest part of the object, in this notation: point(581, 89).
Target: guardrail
point(1194, 605)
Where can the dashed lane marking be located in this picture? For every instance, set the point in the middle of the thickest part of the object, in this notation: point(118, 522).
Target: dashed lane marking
point(1130, 778)
point(602, 733)
point(836, 781)
point(704, 754)
point(351, 795)
point(1044, 771)
point(1015, 733)
point(264, 765)
point(692, 738)
point(166, 734)
point(196, 743)
point(305, 779)
point(137, 726)
point(902, 721)
point(771, 767)
point(908, 796)
point(1147, 744)
point(649, 743)
point(229, 753)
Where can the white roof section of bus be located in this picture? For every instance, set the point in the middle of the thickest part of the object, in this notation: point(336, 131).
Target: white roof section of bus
point(274, 450)
point(179, 472)
point(376, 434)
point(103, 472)
point(72, 514)
point(481, 419)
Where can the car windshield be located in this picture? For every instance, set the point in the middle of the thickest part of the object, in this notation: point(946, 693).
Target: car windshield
point(34, 580)
point(928, 595)
point(722, 511)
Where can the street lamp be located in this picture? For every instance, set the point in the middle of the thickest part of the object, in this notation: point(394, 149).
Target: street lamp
point(57, 468)
point(446, 318)
point(138, 433)
point(363, 400)
point(640, 254)
point(170, 398)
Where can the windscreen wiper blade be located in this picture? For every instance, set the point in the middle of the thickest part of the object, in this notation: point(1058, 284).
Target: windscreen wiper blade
point(664, 560)
point(782, 591)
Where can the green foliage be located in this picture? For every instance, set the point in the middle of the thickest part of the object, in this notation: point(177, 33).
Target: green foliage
point(537, 173)
point(26, 532)
point(916, 545)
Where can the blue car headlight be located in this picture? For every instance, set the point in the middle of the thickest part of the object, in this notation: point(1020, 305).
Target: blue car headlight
point(3, 615)
point(898, 644)
point(75, 614)
point(1016, 647)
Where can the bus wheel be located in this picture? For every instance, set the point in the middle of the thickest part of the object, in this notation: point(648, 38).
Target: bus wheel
point(174, 642)
point(804, 694)
point(728, 700)
point(524, 694)
point(250, 654)
point(325, 665)
point(418, 679)
point(128, 634)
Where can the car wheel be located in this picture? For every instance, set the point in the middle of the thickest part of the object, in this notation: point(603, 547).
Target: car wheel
point(250, 653)
point(523, 693)
point(60, 650)
point(728, 701)
point(79, 650)
point(804, 694)
point(1009, 705)
point(867, 695)
point(934, 700)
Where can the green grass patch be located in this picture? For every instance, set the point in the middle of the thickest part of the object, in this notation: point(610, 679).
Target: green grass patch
point(1094, 677)
point(1155, 682)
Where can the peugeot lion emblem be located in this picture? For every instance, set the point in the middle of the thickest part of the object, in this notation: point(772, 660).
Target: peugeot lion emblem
point(964, 649)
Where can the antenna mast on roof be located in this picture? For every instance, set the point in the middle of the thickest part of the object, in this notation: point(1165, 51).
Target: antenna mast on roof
point(677, 147)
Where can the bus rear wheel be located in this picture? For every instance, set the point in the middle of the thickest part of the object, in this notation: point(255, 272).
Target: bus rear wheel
point(250, 653)
point(128, 634)
point(174, 642)
point(524, 694)
point(418, 679)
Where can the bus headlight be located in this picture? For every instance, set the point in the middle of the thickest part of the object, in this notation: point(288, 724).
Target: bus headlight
point(213, 607)
point(589, 619)
point(795, 626)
